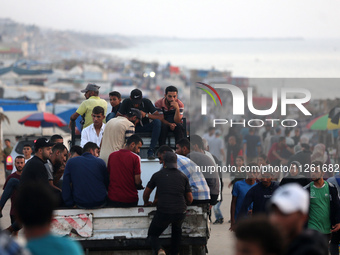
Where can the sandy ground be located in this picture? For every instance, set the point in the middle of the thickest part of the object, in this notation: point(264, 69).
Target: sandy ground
point(221, 240)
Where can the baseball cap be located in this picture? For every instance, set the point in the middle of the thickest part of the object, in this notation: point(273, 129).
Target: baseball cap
point(91, 87)
point(136, 96)
point(137, 113)
point(291, 198)
point(42, 142)
point(170, 159)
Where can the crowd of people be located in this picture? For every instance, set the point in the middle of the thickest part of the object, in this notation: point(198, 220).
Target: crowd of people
point(284, 177)
point(105, 170)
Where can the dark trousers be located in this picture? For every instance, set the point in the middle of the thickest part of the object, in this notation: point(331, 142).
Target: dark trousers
point(155, 128)
point(178, 133)
point(334, 245)
point(159, 223)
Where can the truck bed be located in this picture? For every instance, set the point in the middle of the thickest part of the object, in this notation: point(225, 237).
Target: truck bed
point(125, 228)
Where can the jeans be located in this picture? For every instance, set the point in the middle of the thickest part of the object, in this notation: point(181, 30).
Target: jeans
point(155, 128)
point(178, 133)
point(217, 211)
point(11, 186)
point(159, 223)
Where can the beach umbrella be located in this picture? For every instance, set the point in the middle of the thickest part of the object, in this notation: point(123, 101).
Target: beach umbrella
point(322, 122)
point(334, 115)
point(42, 119)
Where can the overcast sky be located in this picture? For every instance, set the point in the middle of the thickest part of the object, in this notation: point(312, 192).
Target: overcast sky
point(183, 18)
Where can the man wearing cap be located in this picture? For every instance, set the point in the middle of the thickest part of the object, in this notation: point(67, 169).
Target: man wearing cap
point(174, 193)
point(289, 208)
point(92, 100)
point(116, 132)
point(35, 169)
point(149, 112)
point(199, 187)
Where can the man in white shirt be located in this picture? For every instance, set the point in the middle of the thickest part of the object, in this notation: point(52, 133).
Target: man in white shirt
point(94, 132)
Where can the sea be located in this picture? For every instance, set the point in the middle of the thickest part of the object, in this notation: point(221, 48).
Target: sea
point(253, 58)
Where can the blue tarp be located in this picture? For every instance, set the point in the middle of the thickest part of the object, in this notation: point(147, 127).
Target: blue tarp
point(17, 105)
point(67, 114)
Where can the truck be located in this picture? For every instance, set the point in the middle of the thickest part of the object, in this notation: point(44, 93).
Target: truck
point(124, 230)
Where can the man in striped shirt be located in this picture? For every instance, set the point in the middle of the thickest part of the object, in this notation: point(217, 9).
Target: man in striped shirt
point(199, 187)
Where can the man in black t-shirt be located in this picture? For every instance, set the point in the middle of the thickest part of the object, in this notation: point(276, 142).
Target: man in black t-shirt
point(35, 169)
point(174, 193)
point(149, 112)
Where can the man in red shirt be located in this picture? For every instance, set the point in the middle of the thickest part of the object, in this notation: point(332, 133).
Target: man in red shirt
point(275, 154)
point(124, 170)
point(172, 109)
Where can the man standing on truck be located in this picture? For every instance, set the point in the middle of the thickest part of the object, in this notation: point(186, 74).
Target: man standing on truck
point(124, 169)
point(172, 110)
point(117, 131)
point(148, 112)
point(174, 193)
point(85, 109)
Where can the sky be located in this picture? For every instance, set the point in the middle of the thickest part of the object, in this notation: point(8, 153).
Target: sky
point(183, 18)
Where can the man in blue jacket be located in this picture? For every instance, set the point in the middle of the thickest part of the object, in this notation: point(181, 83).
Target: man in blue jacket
point(86, 180)
point(259, 195)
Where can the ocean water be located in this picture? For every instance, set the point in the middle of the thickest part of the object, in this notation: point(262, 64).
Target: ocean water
point(289, 58)
point(295, 58)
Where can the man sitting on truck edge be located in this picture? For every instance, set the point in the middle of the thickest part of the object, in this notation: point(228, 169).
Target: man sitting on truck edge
point(172, 110)
point(174, 193)
point(86, 179)
point(124, 167)
point(115, 101)
point(199, 187)
point(149, 112)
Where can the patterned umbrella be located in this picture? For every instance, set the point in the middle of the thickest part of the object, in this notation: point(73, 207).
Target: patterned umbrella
point(322, 122)
point(42, 119)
